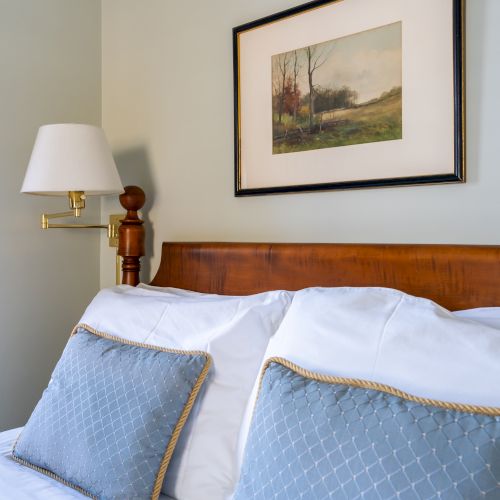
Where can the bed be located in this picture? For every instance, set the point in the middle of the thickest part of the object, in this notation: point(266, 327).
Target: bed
point(455, 276)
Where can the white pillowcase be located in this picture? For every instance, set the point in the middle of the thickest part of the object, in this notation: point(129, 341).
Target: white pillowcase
point(389, 337)
point(176, 291)
point(235, 331)
point(489, 316)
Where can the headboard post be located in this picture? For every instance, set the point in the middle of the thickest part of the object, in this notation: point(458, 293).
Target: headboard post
point(131, 235)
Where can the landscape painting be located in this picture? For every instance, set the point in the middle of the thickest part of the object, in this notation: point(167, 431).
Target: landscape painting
point(341, 92)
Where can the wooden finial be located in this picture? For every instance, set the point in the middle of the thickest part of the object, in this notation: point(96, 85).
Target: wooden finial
point(131, 235)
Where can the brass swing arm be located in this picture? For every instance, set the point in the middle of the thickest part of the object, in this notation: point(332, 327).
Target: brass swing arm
point(112, 227)
point(125, 232)
point(77, 204)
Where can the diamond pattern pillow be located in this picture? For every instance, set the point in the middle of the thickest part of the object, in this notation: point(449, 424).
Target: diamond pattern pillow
point(319, 437)
point(108, 422)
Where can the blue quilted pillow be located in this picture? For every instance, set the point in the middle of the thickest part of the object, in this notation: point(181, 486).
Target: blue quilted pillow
point(316, 437)
point(109, 420)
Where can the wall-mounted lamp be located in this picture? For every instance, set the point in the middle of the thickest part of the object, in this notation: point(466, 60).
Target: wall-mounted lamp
point(72, 160)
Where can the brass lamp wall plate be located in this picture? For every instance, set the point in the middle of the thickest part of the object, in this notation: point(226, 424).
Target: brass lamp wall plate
point(114, 224)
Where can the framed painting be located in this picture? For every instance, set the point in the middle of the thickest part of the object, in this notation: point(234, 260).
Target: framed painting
point(350, 94)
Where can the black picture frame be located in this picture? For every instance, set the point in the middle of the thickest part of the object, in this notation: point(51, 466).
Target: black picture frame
point(455, 176)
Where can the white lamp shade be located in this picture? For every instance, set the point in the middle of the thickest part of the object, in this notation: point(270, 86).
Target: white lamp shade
point(71, 157)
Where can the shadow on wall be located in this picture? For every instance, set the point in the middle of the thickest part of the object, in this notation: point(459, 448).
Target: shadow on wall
point(135, 169)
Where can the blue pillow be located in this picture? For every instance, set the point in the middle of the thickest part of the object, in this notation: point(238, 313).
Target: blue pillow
point(108, 422)
point(316, 437)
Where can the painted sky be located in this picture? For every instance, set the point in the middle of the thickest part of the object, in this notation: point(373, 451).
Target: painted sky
point(368, 62)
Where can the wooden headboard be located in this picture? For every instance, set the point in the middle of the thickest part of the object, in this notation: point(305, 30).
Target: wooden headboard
point(455, 276)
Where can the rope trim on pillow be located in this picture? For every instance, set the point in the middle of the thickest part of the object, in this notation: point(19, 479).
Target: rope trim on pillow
point(169, 451)
point(134, 343)
point(50, 474)
point(178, 428)
point(367, 384)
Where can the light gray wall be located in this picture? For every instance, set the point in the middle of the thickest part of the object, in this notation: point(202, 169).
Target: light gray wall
point(167, 108)
point(50, 70)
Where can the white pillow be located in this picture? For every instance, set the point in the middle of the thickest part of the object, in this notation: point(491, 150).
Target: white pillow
point(235, 331)
point(486, 315)
point(389, 337)
point(175, 291)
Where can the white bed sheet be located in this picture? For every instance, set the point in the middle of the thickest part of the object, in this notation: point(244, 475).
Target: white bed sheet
point(21, 483)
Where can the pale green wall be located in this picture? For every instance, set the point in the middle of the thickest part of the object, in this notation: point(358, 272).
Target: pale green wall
point(168, 110)
point(50, 72)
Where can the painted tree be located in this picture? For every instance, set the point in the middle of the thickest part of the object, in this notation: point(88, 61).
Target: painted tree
point(280, 77)
point(315, 59)
point(292, 98)
point(296, 91)
point(328, 99)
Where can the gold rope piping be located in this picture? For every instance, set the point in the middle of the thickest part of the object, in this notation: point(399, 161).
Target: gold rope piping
point(177, 429)
point(50, 474)
point(367, 384)
point(134, 343)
